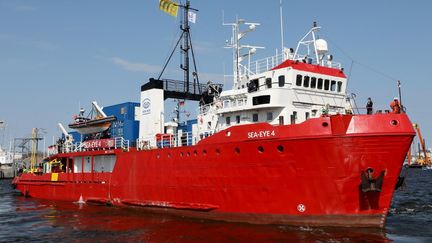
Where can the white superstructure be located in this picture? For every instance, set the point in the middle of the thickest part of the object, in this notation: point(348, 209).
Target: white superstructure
point(284, 89)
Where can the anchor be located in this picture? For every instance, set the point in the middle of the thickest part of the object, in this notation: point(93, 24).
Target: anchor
point(369, 183)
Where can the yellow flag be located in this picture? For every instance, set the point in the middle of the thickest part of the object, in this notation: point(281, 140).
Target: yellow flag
point(168, 7)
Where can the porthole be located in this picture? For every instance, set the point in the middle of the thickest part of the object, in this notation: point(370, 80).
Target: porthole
point(181, 154)
point(237, 150)
point(394, 122)
point(195, 153)
point(157, 156)
point(280, 148)
point(325, 124)
point(260, 149)
point(218, 152)
point(205, 152)
point(228, 133)
point(188, 154)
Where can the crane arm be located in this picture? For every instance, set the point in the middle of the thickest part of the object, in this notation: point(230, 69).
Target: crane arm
point(98, 109)
point(422, 142)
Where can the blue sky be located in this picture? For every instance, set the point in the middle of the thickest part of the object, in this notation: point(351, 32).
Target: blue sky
point(58, 54)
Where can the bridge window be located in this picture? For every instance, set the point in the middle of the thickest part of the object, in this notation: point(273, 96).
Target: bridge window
point(313, 83)
point(299, 80)
point(269, 116)
point(228, 120)
point(306, 82)
point(307, 115)
point(333, 85)
point(339, 86)
point(326, 84)
point(259, 100)
point(281, 81)
point(320, 83)
point(255, 117)
point(238, 119)
point(268, 82)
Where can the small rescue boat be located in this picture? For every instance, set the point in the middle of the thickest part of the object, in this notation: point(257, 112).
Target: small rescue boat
point(99, 123)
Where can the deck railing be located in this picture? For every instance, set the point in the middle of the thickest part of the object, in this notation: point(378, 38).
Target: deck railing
point(265, 64)
point(90, 145)
point(167, 141)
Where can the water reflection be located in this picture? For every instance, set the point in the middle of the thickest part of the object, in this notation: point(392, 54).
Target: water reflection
point(64, 220)
point(29, 219)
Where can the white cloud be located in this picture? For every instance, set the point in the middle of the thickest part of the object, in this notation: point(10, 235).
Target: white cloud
point(134, 66)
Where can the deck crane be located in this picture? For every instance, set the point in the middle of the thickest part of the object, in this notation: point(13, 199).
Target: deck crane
point(426, 160)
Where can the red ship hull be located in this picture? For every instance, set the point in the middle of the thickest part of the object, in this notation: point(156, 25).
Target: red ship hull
point(304, 174)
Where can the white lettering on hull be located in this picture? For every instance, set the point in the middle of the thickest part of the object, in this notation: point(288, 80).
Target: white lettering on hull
point(261, 134)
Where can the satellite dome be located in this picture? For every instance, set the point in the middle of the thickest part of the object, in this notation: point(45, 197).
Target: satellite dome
point(321, 46)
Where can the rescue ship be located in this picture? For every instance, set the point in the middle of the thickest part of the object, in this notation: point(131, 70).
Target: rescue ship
point(282, 146)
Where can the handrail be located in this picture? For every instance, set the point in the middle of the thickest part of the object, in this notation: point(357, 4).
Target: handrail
point(167, 141)
point(118, 143)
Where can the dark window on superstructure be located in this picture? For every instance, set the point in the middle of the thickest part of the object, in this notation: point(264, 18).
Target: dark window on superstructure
point(339, 86)
point(259, 100)
point(306, 82)
point(333, 85)
point(268, 82)
point(269, 116)
point(281, 120)
point(294, 117)
point(228, 120)
point(281, 81)
point(238, 119)
point(299, 80)
point(326, 84)
point(320, 83)
point(313, 83)
point(307, 115)
point(252, 85)
point(255, 117)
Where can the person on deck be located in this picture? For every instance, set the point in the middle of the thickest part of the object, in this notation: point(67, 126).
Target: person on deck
point(395, 106)
point(369, 106)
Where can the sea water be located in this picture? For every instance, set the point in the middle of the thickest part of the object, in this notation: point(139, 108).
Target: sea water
point(28, 219)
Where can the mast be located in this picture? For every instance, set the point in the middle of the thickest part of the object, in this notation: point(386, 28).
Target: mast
point(282, 32)
point(240, 71)
point(400, 96)
point(185, 47)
